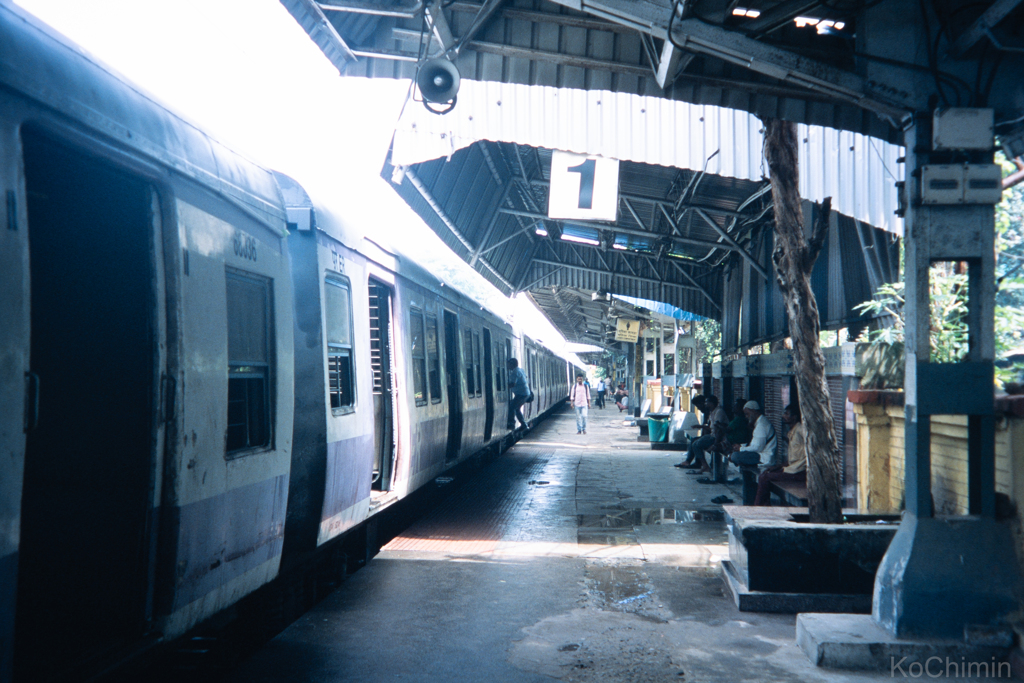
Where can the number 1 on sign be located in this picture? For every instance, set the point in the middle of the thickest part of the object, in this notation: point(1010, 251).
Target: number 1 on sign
point(586, 171)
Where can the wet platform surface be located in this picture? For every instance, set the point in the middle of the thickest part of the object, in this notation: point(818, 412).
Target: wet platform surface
point(570, 557)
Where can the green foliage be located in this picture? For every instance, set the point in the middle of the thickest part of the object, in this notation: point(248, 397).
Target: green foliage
point(709, 340)
point(1010, 244)
point(948, 292)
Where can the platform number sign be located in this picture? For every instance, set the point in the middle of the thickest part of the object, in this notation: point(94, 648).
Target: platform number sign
point(585, 187)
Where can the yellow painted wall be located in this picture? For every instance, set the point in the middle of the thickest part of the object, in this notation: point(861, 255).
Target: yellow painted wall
point(881, 455)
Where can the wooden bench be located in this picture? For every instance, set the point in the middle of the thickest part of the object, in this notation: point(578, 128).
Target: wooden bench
point(792, 493)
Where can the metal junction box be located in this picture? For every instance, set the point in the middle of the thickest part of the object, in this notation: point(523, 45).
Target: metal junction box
point(961, 184)
point(961, 128)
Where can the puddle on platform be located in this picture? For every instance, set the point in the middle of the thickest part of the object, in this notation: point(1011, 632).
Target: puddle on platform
point(623, 519)
point(596, 537)
point(618, 585)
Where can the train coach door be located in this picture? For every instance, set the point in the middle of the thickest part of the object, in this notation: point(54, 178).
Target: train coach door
point(381, 359)
point(85, 537)
point(451, 367)
point(488, 386)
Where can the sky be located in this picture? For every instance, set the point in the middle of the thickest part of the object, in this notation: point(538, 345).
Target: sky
point(246, 72)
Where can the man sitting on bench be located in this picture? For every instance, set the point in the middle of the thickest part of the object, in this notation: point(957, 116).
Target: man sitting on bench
point(760, 449)
point(796, 470)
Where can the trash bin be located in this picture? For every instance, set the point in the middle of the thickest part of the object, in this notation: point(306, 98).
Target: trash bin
point(657, 428)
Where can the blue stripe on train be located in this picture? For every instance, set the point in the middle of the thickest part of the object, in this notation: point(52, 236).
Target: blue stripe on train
point(8, 598)
point(222, 537)
point(349, 471)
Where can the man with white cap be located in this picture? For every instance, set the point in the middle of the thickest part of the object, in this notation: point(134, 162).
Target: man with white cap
point(761, 448)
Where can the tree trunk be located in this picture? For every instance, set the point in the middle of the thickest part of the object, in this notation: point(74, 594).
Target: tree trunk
point(794, 258)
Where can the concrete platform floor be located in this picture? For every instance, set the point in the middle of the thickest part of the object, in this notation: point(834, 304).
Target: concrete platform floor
point(570, 557)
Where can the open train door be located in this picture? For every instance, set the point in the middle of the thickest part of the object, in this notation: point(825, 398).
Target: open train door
point(488, 387)
point(382, 361)
point(84, 567)
point(451, 367)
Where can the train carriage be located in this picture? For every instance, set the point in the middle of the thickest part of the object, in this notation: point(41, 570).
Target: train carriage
point(147, 365)
point(206, 377)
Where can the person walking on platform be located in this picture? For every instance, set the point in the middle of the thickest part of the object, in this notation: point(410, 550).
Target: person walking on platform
point(600, 393)
point(579, 397)
point(520, 394)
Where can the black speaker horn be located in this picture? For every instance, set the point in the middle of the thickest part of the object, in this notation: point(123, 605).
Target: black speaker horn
point(438, 81)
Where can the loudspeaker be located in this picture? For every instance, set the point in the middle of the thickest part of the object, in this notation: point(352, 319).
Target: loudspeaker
point(438, 81)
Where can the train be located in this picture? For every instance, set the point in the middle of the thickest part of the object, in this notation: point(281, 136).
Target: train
point(208, 378)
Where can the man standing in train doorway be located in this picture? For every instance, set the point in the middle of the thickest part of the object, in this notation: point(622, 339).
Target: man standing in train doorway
point(520, 394)
point(579, 397)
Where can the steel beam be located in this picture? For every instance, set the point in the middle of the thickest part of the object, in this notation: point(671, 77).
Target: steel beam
point(449, 223)
point(439, 29)
point(356, 7)
point(697, 36)
point(629, 231)
point(777, 17)
point(487, 10)
point(661, 202)
point(310, 17)
point(695, 284)
point(490, 228)
point(980, 28)
point(609, 273)
point(729, 240)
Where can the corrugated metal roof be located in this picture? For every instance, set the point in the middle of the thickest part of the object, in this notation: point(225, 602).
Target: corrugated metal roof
point(536, 42)
point(486, 203)
point(857, 171)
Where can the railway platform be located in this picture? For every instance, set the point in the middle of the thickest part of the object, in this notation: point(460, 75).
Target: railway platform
point(569, 557)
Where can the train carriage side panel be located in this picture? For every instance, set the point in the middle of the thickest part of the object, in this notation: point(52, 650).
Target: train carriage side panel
point(309, 455)
point(230, 486)
point(348, 378)
point(14, 364)
point(394, 477)
point(472, 369)
point(428, 367)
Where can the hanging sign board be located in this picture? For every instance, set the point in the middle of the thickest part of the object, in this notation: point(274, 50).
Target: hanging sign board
point(627, 330)
point(583, 187)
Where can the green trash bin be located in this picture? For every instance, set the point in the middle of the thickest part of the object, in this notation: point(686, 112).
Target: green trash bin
point(657, 428)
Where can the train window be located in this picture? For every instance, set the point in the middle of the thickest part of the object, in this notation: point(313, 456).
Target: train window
point(498, 367)
point(338, 314)
point(419, 360)
point(467, 350)
point(477, 356)
point(433, 360)
point(250, 316)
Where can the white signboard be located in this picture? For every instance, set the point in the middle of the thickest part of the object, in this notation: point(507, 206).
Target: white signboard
point(627, 330)
point(585, 187)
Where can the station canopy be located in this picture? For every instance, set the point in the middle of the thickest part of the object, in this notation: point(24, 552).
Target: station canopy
point(693, 221)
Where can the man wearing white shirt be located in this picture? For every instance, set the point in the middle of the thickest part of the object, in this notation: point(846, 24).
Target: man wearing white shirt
point(761, 448)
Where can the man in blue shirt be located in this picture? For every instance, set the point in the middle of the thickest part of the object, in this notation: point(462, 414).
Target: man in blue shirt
point(520, 392)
